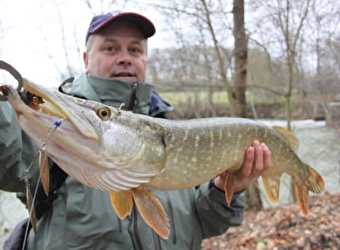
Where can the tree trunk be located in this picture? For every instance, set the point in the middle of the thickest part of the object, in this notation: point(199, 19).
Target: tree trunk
point(222, 68)
point(240, 59)
point(253, 198)
point(240, 78)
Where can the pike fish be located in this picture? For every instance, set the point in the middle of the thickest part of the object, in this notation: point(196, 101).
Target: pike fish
point(128, 154)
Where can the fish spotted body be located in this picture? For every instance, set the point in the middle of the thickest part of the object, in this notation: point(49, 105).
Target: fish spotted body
point(127, 154)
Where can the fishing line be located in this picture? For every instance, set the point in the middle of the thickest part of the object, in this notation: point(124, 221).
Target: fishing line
point(26, 178)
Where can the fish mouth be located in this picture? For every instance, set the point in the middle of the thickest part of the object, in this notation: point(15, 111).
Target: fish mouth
point(46, 105)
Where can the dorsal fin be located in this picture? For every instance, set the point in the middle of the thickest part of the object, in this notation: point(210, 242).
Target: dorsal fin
point(289, 136)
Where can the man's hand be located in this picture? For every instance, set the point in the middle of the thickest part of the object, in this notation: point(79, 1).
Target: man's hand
point(257, 160)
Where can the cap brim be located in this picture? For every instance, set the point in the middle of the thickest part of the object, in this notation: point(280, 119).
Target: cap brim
point(143, 23)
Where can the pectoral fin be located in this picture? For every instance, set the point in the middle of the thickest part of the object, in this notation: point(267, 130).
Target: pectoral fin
point(229, 187)
point(272, 187)
point(152, 211)
point(122, 203)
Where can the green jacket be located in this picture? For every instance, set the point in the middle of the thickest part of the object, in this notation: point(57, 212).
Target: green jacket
point(83, 218)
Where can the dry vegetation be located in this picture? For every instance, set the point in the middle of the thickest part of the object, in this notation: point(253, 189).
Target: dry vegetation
point(284, 228)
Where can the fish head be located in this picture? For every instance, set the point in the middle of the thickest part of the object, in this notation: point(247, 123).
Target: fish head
point(75, 127)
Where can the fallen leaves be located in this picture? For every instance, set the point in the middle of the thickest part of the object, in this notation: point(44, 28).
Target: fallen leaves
point(284, 228)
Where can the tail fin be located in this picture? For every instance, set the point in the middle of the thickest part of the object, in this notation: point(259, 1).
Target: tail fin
point(314, 182)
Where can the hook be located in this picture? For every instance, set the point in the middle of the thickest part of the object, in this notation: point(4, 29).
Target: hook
point(9, 68)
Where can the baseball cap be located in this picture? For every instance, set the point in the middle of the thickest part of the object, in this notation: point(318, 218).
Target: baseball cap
point(144, 24)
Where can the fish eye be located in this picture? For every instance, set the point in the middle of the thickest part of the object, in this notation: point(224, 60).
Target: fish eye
point(36, 100)
point(104, 113)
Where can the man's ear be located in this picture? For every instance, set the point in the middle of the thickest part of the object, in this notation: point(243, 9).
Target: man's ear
point(86, 60)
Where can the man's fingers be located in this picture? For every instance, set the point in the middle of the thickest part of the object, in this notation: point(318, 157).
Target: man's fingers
point(248, 163)
point(258, 162)
point(257, 159)
point(267, 157)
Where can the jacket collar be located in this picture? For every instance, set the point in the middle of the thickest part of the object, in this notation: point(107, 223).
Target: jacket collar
point(136, 96)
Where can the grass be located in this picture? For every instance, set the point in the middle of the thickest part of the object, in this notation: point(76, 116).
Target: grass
point(219, 98)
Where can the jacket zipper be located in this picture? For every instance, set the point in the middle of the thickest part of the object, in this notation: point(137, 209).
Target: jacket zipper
point(133, 98)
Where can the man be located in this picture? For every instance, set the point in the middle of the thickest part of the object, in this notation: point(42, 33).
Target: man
point(75, 216)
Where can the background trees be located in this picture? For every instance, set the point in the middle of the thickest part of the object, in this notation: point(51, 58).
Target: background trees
point(292, 51)
point(195, 46)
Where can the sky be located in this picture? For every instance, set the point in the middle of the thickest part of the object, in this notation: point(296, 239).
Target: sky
point(31, 40)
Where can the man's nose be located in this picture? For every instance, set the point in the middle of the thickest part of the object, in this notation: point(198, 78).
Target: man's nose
point(124, 58)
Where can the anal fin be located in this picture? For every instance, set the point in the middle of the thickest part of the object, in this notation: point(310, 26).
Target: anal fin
point(272, 186)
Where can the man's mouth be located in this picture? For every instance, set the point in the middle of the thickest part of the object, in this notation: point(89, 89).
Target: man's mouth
point(124, 75)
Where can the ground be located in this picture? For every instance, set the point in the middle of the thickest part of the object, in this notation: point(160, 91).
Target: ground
point(284, 228)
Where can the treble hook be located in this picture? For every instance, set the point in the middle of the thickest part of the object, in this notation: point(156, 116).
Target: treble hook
point(9, 68)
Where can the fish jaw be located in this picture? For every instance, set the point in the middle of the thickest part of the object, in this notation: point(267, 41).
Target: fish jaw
point(58, 104)
point(38, 122)
point(39, 126)
point(77, 124)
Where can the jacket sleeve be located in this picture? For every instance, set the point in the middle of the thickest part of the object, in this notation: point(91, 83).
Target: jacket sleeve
point(17, 152)
point(214, 214)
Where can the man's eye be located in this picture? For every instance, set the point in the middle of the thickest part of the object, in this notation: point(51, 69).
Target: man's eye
point(135, 50)
point(110, 48)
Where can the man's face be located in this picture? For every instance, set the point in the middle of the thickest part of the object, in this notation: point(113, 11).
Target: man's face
point(118, 51)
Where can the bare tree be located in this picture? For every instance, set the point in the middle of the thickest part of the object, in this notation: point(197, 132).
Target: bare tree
point(240, 58)
point(286, 20)
point(291, 37)
point(240, 78)
point(223, 73)
point(208, 25)
point(324, 23)
point(103, 6)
